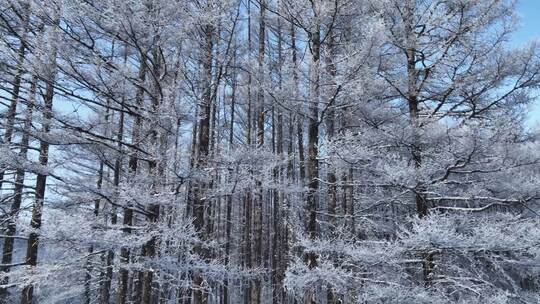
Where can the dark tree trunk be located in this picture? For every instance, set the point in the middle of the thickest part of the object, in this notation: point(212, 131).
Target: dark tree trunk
point(330, 130)
point(199, 295)
point(41, 182)
point(422, 205)
point(277, 246)
point(123, 278)
point(9, 240)
point(313, 141)
point(12, 109)
point(258, 208)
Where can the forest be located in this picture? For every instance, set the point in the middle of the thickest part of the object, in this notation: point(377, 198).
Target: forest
point(268, 152)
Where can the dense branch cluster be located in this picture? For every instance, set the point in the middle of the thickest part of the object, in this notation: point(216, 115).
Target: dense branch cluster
point(267, 151)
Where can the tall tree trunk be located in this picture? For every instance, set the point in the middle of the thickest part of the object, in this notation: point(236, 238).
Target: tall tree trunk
point(105, 293)
point(299, 118)
point(250, 80)
point(248, 199)
point(133, 166)
point(330, 130)
point(258, 208)
point(41, 180)
point(12, 109)
point(9, 240)
point(331, 72)
point(233, 110)
point(156, 171)
point(295, 127)
point(277, 246)
point(422, 206)
point(228, 221)
point(97, 202)
point(313, 141)
point(108, 257)
point(199, 295)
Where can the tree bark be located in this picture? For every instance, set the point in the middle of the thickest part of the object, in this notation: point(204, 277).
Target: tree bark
point(133, 166)
point(422, 206)
point(313, 141)
point(277, 247)
point(12, 109)
point(41, 180)
point(330, 131)
point(258, 208)
point(199, 295)
point(228, 221)
point(156, 171)
point(9, 240)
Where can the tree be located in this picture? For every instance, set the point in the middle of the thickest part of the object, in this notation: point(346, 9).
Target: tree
point(267, 151)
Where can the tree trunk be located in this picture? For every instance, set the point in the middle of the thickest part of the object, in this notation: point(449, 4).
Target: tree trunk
point(422, 206)
point(299, 118)
point(313, 141)
point(88, 278)
point(133, 166)
point(105, 294)
point(331, 72)
point(258, 208)
point(330, 131)
point(277, 246)
point(9, 240)
point(156, 171)
point(228, 221)
point(12, 109)
point(41, 180)
point(199, 295)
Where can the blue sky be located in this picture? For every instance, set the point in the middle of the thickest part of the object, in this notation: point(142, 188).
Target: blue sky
point(529, 11)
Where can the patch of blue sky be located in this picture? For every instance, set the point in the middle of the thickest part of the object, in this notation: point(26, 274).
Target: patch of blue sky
point(529, 12)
